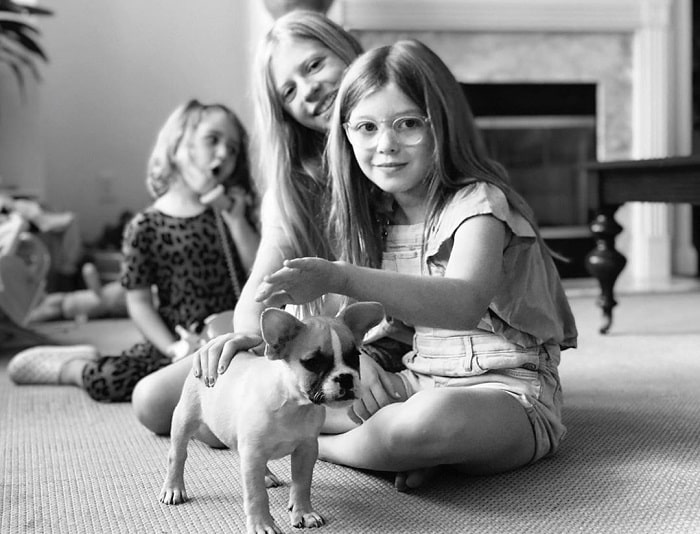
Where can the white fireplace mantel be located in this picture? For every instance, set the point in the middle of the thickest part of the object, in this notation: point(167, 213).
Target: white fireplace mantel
point(502, 15)
point(660, 111)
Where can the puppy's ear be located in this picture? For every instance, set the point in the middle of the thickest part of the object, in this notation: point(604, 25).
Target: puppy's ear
point(278, 329)
point(361, 316)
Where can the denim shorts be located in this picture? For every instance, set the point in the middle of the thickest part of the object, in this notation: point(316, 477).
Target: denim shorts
point(485, 360)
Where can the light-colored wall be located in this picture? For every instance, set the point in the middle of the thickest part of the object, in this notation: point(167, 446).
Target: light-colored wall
point(81, 138)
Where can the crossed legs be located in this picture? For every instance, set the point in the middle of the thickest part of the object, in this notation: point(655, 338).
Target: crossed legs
point(478, 431)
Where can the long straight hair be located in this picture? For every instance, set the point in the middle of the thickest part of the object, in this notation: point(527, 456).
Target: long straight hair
point(459, 158)
point(289, 155)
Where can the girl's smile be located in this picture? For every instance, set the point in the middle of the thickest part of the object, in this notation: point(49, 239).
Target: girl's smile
point(326, 105)
point(306, 75)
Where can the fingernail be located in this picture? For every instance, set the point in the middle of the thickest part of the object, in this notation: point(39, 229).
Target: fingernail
point(397, 394)
point(220, 370)
point(196, 373)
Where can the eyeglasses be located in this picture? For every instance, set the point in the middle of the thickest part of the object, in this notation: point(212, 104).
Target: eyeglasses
point(409, 130)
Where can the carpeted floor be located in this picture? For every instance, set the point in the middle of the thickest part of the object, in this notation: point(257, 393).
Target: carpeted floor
point(630, 462)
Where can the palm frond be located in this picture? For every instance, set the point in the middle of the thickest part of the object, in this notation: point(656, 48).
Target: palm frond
point(15, 54)
point(25, 34)
point(26, 9)
point(19, 44)
point(17, 69)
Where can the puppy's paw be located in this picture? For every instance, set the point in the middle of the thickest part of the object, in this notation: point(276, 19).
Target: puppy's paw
point(271, 480)
point(305, 519)
point(172, 495)
point(262, 525)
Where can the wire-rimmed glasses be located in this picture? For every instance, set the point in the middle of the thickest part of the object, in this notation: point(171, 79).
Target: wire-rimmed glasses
point(409, 130)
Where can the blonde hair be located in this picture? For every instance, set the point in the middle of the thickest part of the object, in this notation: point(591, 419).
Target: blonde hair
point(289, 155)
point(162, 166)
point(459, 157)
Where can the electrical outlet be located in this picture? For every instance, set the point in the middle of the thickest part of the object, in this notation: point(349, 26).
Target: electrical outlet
point(105, 187)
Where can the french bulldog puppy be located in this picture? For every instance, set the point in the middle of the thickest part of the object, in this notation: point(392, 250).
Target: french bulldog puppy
point(269, 407)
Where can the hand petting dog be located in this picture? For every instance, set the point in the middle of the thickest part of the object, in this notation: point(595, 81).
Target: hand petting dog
point(299, 281)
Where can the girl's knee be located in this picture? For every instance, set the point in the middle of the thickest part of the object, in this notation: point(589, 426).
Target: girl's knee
point(151, 406)
point(405, 431)
point(155, 396)
point(423, 424)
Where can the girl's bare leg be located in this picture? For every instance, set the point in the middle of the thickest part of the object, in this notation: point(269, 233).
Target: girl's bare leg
point(72, 372)
point(481, 431)
point(156, 395)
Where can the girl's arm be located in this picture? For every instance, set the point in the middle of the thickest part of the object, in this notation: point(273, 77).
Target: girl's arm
point(456, 301)
point(139, 303)
point(269, 258)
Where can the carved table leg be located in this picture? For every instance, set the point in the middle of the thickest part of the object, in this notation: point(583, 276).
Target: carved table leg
point(604, 262)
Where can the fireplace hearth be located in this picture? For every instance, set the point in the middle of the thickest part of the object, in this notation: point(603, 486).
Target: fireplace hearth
point(544, 134)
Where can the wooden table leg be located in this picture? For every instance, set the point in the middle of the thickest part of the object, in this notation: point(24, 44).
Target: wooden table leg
point(604, 262)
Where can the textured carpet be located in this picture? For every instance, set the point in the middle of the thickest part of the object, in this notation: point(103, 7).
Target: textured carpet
point(630, 462)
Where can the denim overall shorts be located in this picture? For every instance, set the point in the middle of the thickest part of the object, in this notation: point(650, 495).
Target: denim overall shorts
point(479, 358)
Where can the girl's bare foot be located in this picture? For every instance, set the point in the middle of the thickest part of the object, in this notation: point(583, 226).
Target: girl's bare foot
point(410, 480)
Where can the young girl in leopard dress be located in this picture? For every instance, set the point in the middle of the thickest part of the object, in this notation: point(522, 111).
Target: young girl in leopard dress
point(185, 258)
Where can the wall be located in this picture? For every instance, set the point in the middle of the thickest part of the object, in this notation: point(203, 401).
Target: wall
point(20, 130)
point(82, 138)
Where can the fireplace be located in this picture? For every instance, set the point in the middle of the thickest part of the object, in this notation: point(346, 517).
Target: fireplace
point(543, 134)
point(634, 54)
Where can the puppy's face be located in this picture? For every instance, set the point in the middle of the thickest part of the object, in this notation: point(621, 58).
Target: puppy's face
point(321, 351)
point(326, 361)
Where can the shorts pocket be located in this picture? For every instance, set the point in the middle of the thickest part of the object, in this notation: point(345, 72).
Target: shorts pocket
point(469, 355)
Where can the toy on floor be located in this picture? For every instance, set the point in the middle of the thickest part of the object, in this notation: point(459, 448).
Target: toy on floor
point(214, 325)
point(94, 302)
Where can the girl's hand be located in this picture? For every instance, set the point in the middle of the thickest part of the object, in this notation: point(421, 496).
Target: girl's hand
point(239, 204)
point(215, 356)
point(300, 281)
point(186, 345)
point(379, 388)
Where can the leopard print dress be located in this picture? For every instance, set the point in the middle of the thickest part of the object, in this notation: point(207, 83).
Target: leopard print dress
point(183, 261)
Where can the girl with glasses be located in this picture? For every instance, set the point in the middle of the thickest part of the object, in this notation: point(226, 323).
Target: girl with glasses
point(425, 223)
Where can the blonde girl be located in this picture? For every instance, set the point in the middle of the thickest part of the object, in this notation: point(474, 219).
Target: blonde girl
point(183, 260)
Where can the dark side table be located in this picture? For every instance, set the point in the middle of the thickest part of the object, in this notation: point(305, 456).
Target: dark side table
point(668, 180)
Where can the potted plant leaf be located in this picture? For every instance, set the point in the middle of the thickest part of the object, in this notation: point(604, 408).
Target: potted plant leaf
point(19, 39)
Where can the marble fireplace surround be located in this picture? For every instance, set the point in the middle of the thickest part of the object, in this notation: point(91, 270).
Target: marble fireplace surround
point(636, 51)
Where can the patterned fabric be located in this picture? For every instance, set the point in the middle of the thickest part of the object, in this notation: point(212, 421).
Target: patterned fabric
point(183, 259)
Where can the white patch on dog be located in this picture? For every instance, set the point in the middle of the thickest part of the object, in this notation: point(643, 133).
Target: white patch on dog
point(336, 345)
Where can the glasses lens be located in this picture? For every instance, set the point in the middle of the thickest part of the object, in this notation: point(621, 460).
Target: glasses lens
point(409, 130)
